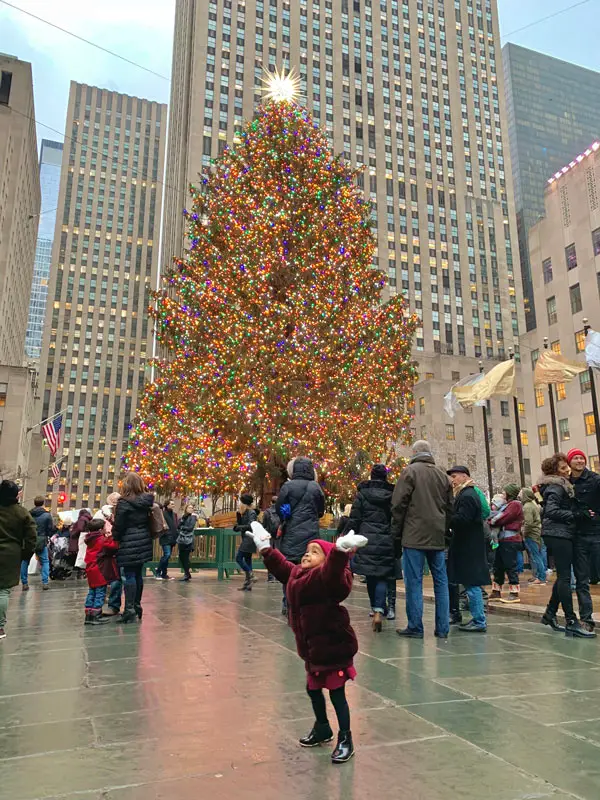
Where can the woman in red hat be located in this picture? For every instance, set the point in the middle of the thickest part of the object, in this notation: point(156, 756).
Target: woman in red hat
point(324, 637)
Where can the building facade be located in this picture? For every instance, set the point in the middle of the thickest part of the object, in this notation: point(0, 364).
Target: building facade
point(412, 92)
point(19, 205)
point(18, 388)
point(50, 164)
point(553, 112)
point(564, 250)
point(97, 336)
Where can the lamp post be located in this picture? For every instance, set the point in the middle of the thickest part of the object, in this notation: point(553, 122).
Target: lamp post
point(511, 355)
point(586, 329)
point(552, 407)
point(486, 439)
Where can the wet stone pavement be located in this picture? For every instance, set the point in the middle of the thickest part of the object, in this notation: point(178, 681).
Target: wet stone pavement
point(205, 699)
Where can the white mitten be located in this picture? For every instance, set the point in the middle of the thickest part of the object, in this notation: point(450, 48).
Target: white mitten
point(351, 541)
point(262, 538)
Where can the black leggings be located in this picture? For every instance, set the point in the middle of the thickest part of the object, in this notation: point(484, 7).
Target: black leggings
point(339, 702)
point(562, 552)
point(184, 559)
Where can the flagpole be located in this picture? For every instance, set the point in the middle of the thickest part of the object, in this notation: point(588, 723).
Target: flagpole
point(487, 443)
point(586, 328)
point(511, 355)
point(49, 419)
point(552, 408)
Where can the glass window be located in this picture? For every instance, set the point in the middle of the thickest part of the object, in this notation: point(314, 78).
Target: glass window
point(585, 383)
point(561, 391)
point(421, 405)
point(596, 241)
point(540, 398)
point(543, 435)
point(547, 270)
point(590, 424)
point(563, 430)
point(551, 310)
point(450, 433)
point(575, 296)
point(469, 433)
point(423, 431)
point(524, 439)
point(506, 436)
point(535, 354)
point(595, 463)
point(521, 409)
point(570, 256)
point(579, 341)
point(504, 408)
point(555, 346)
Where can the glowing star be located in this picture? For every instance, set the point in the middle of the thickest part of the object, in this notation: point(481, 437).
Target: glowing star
point(281, 88)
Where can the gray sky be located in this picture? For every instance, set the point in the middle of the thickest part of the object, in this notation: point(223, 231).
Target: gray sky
point(142, 31)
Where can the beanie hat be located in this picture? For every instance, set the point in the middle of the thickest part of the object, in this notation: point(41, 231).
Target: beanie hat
point(574, 452)
point(246, 499)
point(378, 472)
point(512, 491)
point(498, 500)
point(9, 493)
point(326, 547)
point(113, 498)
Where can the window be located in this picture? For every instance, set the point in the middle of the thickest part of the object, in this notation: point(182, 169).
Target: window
point(547, 270)
point(590, 424)
point(575, 296)
point(563, 430)
point(551, 310)
point(509, 464)
point(5, 82)
point(421, 405)
point(570, 256)
point(472, 462)
point(451, 460)
point(455, 377)
point(429, 376)
point(423, 431)
point(506, 436)
point(469, 433)
point(527, 466)
point(540, 398)
point(504, 408)
point(450, 437)
point(580, 341)
point(596, 241)
point(543, 435)
point(524, 439)
point(585, 383)
point(555, 346)
point(595, 463)
point(521, 409)
point(535, 354)
point(561, 391)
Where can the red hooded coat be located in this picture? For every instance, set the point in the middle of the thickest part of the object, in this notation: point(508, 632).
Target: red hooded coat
point(324, 636)
point(96, 543)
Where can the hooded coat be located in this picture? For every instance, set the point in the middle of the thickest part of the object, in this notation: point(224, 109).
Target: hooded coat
point(467, 556)
point(532, 518)
point(325, 639)
point(371, 516)
point(244, 526)
point(131, 529)
point(96, 543)
point(43, 521)
point(18, 533)
point(306, 503)
point(559, 507)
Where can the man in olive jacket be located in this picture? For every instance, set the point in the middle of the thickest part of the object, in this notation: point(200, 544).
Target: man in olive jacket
point(421, 509)
point(18, 534)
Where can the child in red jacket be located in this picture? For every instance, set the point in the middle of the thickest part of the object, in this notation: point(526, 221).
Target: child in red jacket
point(510, 543)
point(324, 637)
point(98, 543)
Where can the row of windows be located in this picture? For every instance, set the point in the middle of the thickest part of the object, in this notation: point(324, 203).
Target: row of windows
point(570, 257)
point(564, 433)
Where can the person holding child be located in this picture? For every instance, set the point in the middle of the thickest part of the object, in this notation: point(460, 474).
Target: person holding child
point(325, 639)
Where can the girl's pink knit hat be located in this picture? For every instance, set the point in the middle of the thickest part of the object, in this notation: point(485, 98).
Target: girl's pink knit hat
point(326, 547)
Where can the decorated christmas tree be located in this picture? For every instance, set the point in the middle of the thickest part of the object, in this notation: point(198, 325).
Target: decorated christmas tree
point(279, 343)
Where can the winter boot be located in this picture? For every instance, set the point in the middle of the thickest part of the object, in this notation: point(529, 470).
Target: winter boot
point(391, 600)
point(550, 620)
point(88, 617)
point(319, 734)
point(575, 628)
point(513, 595)
point(139, 611)
point(377, 622)
point(455, 618)
point(253, 578)
point(93, 617)
point(344, 749)
point(496, 593)
point(247, 586)
point(129, 614)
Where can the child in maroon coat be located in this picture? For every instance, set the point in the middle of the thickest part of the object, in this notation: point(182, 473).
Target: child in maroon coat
point(324, 637)
point(98, 544)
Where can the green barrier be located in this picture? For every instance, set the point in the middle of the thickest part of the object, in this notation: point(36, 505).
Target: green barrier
point(216, 548)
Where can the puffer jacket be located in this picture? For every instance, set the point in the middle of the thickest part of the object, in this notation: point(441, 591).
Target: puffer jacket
point(185, 532)
point(131, 529)
point(371, 516)
point(306, 501)
point(244, 526)
point(558, 507)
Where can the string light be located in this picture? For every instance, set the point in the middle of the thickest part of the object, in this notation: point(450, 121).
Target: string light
point(279, 342)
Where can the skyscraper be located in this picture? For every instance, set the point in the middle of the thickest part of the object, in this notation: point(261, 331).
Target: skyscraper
point(50, 162)
point(97, 335)
point(413, 92)
point(553, 112)
point(19, 205)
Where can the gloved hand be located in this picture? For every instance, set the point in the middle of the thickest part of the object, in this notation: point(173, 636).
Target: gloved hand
point(351, 541)
point(262, 538)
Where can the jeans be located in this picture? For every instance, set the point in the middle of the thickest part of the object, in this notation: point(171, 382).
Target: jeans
point(520, 562)
point(116, 589)
point(476, 606)
point(133, 577)
point(161, 570)
point(537, 562)
point(244, 561)
point(44, 563)
point(562, 552)
point(585, 555)
point(413, 562)
point(95, 599)
point(4, 595)
point(377, 589)
point(544, 555)
point(506, 562)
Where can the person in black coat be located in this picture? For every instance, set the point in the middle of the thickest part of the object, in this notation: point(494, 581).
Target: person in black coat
point(185, 539)
point(271, 523)
point(560, 515)
point(131, 529)
point(467, 555)
point(167, 540)
point(246, 515)
point(371, 516)
point(586, 548)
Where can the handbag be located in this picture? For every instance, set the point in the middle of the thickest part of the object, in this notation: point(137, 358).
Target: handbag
point(185, 538)
point(157, 521)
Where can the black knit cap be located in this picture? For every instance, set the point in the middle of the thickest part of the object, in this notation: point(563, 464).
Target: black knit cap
point(379, 472)
point(9, 493)
point(246, 499)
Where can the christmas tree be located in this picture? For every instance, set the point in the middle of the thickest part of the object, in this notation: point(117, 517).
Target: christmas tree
point(279, 342)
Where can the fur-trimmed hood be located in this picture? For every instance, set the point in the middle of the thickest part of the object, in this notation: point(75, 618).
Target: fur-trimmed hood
point(557, 480)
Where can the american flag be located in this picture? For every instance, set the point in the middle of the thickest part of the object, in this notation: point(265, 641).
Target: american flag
point(55, 469)
point(51, 433)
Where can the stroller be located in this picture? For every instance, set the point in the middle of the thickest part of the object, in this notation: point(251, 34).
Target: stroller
point(58, 553)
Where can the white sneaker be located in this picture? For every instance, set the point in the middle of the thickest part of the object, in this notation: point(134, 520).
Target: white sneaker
point(158, 577)
point(549, 573)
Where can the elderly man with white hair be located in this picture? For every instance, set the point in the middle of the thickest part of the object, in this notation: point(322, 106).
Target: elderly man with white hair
point(421, 509)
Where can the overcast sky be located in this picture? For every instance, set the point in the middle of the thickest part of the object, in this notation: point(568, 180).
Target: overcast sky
point(142, 31)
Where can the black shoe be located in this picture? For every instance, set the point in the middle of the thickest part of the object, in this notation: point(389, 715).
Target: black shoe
point(185, 579)
point(440, 635)
point(139, 611)
point(409, 633)
point(319, 735)
point(284, 609)
point(96, 619)
point(456, 618)
point(344, 749)
point(552, 622)
point(472, 627)
point(575, 628)
point(127, 616)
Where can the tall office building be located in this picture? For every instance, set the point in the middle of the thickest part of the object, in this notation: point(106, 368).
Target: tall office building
point(97, 335)
point(413, 92)
point(19, 205)
point(50, 163)
point(553, 111)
